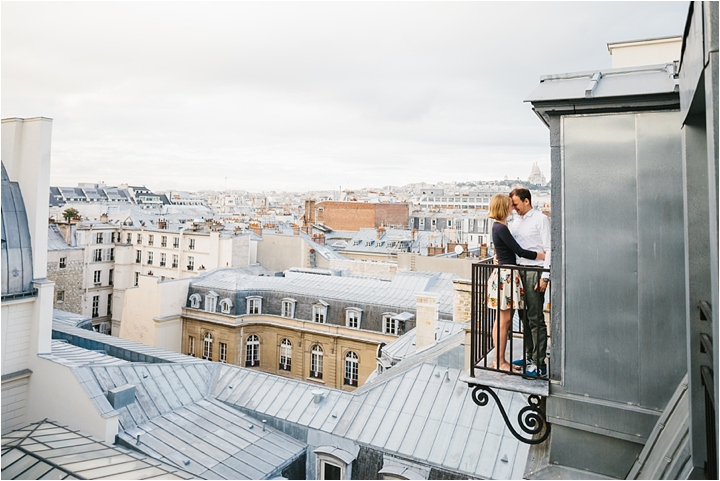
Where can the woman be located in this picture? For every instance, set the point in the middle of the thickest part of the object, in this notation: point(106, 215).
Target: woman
point(509, 294)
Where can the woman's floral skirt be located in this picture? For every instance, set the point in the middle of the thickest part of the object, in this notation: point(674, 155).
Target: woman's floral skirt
point(509, 293)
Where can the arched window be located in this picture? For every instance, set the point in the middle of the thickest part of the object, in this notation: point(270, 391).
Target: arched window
point(195, 301)
point(351, 369)
point(211, 301)
point(226, 306)
point(316, 362)
point(285, 354)
point(207, 346)
point(252, 351)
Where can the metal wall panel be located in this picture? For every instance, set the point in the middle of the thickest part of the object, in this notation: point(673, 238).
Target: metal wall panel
point(601, 245)
point(661, 260)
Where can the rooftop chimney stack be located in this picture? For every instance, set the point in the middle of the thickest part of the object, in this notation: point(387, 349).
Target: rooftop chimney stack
point(427, 315)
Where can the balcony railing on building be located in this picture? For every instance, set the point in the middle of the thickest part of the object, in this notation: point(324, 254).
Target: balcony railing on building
point(482, 346)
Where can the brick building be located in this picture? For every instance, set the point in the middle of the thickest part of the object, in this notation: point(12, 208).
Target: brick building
point(354, 216)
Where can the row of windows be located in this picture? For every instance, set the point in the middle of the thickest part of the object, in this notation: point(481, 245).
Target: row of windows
point(252, 356)
point(103, 255)
point(353, 315)
point(163, 260)
point(163, 240)
point(115, 237)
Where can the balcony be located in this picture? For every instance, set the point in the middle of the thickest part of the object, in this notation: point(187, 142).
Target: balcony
point(484, 375)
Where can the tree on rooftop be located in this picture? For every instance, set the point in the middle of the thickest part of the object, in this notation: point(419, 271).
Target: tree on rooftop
point(69, 213)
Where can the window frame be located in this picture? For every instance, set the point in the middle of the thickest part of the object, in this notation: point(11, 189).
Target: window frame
point(211, 299)
point(96, 306)
point(316, 361)
point(62, 263)
point(226, 306)
point(351, 312)
point(288, 304)
point(352, 368)
point(97, 276)
point(319, 312)
point(253, 305)
point(223, 352)
point(207, 346)
point(285, 355)
point(195, 300)
point(252, 351)
point(59, 297)
point(191, 263)
point(390, 324)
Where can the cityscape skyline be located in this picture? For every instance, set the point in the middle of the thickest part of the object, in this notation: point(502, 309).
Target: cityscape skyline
point(302, 96)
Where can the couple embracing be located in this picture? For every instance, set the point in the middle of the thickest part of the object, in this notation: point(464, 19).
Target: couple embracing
point(526, 242)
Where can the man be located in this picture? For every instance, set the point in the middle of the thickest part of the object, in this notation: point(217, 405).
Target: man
point(531, 229)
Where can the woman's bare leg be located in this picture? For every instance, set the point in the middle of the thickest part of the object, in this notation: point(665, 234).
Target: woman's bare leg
point(501, 344)
point(505, 317)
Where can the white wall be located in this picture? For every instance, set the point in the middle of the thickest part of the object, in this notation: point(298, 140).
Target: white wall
point(151, 312)
point(26, 156)
point(650, 52)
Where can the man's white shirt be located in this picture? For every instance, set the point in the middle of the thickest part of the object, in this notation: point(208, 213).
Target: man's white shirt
point(532, 232)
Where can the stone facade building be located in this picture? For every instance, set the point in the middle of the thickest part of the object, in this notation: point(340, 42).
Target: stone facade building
point(320, 328)
point(65, 267)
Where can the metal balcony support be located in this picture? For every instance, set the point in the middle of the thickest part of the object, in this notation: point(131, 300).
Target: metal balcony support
point(531, 419)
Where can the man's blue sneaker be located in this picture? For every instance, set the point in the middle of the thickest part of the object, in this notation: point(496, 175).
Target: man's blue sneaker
point(536, 371)
point(519, 362)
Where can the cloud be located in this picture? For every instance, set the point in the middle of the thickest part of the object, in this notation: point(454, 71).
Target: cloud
point(301, 95)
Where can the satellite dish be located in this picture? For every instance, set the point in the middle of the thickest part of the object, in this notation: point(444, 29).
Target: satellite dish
point(458, 250)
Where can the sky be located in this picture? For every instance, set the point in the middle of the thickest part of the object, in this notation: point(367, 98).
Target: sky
point(300, 96)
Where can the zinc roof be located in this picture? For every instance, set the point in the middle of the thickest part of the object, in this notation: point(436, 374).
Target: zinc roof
point(48, 450)
point(404, 346)
point(56, 241)
point(179, 424)
point(645, 80)
point(423, 412)
point(399, 292)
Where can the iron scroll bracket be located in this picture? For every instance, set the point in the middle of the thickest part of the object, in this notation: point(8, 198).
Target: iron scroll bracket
point(531, 419)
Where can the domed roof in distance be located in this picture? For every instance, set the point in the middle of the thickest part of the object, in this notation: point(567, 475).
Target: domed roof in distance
point(17, 269)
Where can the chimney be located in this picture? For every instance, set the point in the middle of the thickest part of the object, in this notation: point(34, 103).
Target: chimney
point(426, 320)
point(380, 231)
point(296, 229)
point(162, 223)
point(104, 218)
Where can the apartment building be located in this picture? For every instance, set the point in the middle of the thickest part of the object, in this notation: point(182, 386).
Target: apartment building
point(353, 216)
point(323, 328)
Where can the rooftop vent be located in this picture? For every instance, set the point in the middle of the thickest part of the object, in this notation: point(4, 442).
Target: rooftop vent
point(121, 396)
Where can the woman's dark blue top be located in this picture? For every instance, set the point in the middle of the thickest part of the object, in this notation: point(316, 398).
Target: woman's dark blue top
point(506, 247)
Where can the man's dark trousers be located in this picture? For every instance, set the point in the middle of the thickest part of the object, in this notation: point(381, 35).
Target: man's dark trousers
point(534, 327)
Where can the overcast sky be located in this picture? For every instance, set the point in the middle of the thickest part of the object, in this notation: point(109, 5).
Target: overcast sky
point(301, 95)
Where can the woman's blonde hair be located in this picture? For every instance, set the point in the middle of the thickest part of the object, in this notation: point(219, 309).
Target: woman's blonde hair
point(499, 207)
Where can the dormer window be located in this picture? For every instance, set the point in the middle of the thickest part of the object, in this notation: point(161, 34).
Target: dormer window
point(389, 324)
point(254, 305)
point(320, 312)
point(352, 317)
point(195, 301)
point(226, 306)
point(288, 308)
point(211, 301)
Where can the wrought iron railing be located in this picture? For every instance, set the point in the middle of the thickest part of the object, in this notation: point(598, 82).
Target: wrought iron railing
point(483, 317)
